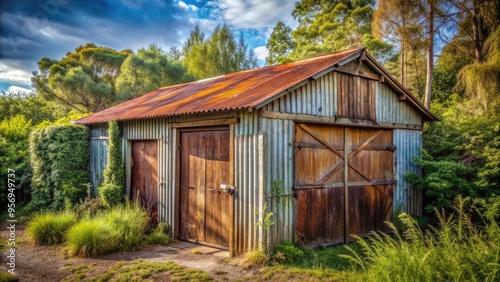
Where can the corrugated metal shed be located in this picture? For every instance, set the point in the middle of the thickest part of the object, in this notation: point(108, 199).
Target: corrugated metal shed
point(241, 90)
point(266, 106)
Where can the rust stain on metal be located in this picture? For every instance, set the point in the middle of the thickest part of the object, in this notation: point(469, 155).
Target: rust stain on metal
point(233, 91)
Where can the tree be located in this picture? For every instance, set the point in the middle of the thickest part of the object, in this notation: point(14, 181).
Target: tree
point(83, 80)
point(217, 55)
point(280, 44)
point(326, 26)
point(398, 22)
point(149, 70)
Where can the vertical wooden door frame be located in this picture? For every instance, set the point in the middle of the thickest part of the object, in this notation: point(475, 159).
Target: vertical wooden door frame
point(177, 137)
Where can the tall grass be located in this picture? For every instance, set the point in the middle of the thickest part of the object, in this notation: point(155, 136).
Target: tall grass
point(50, 228)
point(456, 250)
point(121, 228)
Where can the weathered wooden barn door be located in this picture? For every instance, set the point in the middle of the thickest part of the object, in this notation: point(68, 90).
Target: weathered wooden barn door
point(144, 181)
point(337, 198)
point(204, 166)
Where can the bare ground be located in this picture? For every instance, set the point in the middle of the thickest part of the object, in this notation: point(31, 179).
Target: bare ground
point(52, 263)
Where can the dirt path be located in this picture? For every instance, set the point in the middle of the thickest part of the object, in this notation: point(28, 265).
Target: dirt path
point(51, 263)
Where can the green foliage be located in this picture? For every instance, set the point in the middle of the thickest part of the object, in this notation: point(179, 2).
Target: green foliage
point(326, 26)
point(113, 188)
point(456, 250)
point(8, 277)
point(121, 228)
point(280, 44)
point(160, 235)
point(89, 208)
point(83, 80)
point(148, 70)
point(111, 194)
point(59, 159)
point(50, 228)
point(265, 222)
point(216, 55)
point(286, 252)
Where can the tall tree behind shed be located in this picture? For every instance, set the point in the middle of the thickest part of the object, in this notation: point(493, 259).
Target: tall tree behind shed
point(83, 80)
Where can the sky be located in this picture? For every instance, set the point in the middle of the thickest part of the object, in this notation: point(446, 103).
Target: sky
point(31, 30)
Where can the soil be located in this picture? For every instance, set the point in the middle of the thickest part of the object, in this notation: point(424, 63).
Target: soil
point(52, 263)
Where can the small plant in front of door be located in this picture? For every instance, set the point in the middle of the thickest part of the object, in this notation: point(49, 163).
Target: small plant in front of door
point(265, 222)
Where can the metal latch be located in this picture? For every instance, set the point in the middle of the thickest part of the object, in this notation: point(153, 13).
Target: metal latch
point(227, 189)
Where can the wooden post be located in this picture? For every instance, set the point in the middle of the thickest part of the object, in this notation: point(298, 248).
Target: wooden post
point(346, 187)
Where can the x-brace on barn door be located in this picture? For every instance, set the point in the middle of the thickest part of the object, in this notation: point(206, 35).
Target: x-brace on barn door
point(344, 179)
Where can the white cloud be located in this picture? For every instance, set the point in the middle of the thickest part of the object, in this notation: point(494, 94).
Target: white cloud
point(11, 73)
point(17, 89)
point(261, 53)
point(256, 13)
point(187, 7)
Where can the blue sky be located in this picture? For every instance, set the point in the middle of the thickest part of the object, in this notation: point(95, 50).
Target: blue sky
point(30, 30)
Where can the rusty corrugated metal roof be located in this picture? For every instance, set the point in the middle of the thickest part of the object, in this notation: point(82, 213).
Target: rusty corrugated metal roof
point(240, 90)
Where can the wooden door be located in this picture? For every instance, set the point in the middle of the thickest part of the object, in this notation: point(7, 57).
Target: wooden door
point(144, 181)
point(337, 198)
point(204, 166)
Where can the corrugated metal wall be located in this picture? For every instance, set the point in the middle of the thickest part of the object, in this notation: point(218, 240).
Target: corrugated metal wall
point(408, 144)
point(98, 154)
point(317, 97)
point(278, 138)
point(248, 174)
point(390, 109)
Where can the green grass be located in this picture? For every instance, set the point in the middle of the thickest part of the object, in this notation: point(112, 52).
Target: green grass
point(160, 235)
point(50, 228)
point(141, 270)
point(7, 277)
point(121, 228)
point(456, 250)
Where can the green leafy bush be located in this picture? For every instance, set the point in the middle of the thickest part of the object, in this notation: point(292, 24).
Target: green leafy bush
point(50, 228)
point(111, 194)
point(59, 158)
point(112, 190)
point(121, 228)
point(456, 250)
point(89, 208)
point(160, 235)
point(288, 253)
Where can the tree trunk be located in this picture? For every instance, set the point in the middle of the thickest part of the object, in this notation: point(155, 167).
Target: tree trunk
point(430, 58)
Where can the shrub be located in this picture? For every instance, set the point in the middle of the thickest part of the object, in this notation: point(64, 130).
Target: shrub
point(457, 250)
point(121, 228)
point(89, 208)
point(59, 158)
point(50, 228)
point(288, 253)
point(160, 235)
point(111, 194)
point(92, 237)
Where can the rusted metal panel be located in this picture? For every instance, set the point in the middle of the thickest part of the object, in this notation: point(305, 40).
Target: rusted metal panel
point(144, 178)
point(390, 108)
point(408, 144)
point(234, 91)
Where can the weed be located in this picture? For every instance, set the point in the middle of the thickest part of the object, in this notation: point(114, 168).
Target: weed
point(456, 250)
point(140, 270)
point(255, 258)
point(160, 235)
point(50, 228)
point(7, 277)
point(286, 252)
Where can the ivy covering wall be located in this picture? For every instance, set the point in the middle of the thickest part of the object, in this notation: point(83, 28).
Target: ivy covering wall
point(59, 159)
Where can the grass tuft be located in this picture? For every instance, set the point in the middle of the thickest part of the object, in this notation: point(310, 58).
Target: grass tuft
point(118, 229)
point(50, 228)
